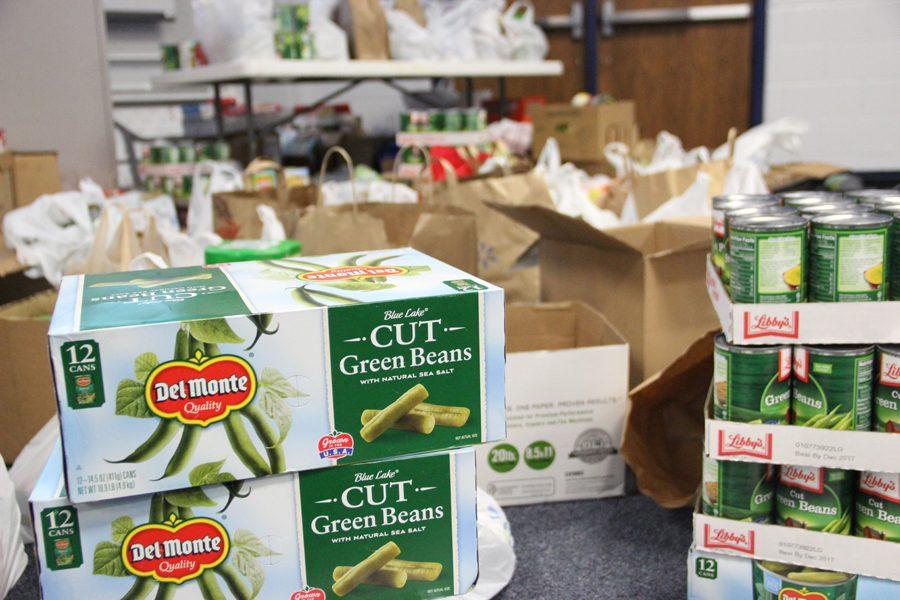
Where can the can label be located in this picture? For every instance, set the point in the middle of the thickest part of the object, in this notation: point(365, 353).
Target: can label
point(767, 267)
point(83, 374)
point(887, 393)
point(847, 265)
point(738, 490)
point(878, 506)
point(62, 538)
point(779, 581)
point(752, 388)
point(815, 498)
point(718, 240)
point(895, 260)
point(832, 392)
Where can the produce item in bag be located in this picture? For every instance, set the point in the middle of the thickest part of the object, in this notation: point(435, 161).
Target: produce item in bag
point(241, 250)
point(742, 491)
point(886, 405)
point(833, 387)
point(878, 506)
point(767, 254)
point(723, 204)
point(780, 581)
point(848, 255)
point(271, 366)
point(399, 529)
point(815, 498)
point(804, 198)
point(752, 384)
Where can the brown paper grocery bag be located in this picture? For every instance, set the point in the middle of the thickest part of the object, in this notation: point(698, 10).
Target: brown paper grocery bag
point(413, 9)
point(503, 243)
point(444, 232)
point(366, 22)
point(109, 255)
point(664, 429)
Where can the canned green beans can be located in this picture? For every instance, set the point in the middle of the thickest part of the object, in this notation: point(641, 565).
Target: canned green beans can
point(815, 498)
point(833, 387)
point(742, 491)
point(454, 120)
point(170, 57)
point(894, 283)
point(886, 406)
point(878, 506)
point(834, 208)
point(799, 199)
point(874, 196)
point(767, 256)
point(436, 120)
point(848, 255)
point(752, 383)
point(780, 581)
point(722, 205)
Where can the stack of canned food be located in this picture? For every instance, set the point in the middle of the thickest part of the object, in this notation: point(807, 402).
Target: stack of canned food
point(178, 183)
point(825, 387)
point(443, 119)
point(808, 246)
point(292, 35)
point(183, 55)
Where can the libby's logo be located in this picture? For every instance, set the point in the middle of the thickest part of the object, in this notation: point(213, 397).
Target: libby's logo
point(890, 371)
point(308, 593)
point(792, 594)
point(201, 390)
point(881, 485)
point(801, 364)
point(355, 272)
point(719, 537)
point(335, 445)
point(738, 444)
point(771, 325)
point(811, 479)
point(175, 551)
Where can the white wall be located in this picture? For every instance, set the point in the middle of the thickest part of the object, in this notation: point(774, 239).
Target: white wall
point(54, 93)
point(836, 63)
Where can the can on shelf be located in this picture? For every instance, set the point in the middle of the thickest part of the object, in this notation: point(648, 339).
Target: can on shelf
point(834, 208)
point(742, 491)
point(405, 121)
point(187, 153)
point(878, 506)
point(475, 119)
point(752, 384)
point(832, 387)
point(284, 44)
point(454, 119)
point(436, 120)
point(815, 498)
point(798, 199)
point(782, 581)
point(170, 57)
point(848, 254)
point(720, 206)
point(746, 211)
point(216, 151)
point(886, 406)
point(300, 18)
point(767, 256)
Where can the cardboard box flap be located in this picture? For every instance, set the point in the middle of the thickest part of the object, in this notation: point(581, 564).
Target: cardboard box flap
point(557, 326)
point(663, 440)
point(679, 235)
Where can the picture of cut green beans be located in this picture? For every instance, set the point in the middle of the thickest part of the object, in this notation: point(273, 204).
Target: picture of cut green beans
point(444, 416)
point(411, 421)
point(388, 416)
point(410, 412)
point(385, 577)
point(360, 572)
point(841, 525)
point(267, 413)
point(397, 572)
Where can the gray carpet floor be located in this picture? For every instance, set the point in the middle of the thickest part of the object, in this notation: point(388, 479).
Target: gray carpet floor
point(620, 548)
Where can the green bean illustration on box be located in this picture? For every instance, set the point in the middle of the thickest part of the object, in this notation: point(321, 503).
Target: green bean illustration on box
point(410, 413)
point(176, 548)
point(203, 386)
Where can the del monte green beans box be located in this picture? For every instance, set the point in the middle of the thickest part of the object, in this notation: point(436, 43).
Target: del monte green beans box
point(273, 366)
point(400, 529)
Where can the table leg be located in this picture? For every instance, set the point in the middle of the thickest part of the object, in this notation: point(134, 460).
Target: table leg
point(252, 143)
point(217, 111)
point(501, 82)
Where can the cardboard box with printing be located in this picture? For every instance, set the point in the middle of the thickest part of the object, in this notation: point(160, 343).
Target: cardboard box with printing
point(583, 131)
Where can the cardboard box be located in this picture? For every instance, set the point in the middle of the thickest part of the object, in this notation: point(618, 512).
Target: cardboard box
point(803, 322)
point(274, 366)
point(717, 576)
point(281, 537)
point(27, 400)
point(794, 545)
point(583, 131)
point(789, 175)
point(26, 175)
point(647, 279)
point(567, 384)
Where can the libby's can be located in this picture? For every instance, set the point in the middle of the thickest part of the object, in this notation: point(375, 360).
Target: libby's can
point(832, 387)
point(799, 199)
point(767, 256)
point(878, 506)
point(886, 405)
point(720, 206)
point(742, 491)
point(752, 384)
point(815, 498)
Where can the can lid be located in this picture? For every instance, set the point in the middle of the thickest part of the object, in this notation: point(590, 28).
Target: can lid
point(726, 201)
point(765, 209)
point(723, 344)
point(872, 195)
point(877, 201)
point(836, 207)
point(852, 220)
point(839, 350)
point(889, 348)
point(241, 250)
point(769, 223)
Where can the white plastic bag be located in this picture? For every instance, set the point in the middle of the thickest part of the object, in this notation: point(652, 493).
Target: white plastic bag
point(209, 178)
point(745, 178)
point(767, 143)
point(27, 468)
point(668, 153)
point(272, 229)
point(408, 40)
point(451, 28)
point(329, 39)
point(12, 553)
point(693, 202)
point(526, 39)
point(496, 555)
point(231, 30)
point(515, 134)
point(487, 33)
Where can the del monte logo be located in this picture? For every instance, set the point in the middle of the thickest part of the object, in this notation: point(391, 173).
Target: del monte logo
point(721, 537)
point(175, 551)
point(352, 272)
point(739, 444)
point(766, 323)
point(803, 594)
point(201, 390)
